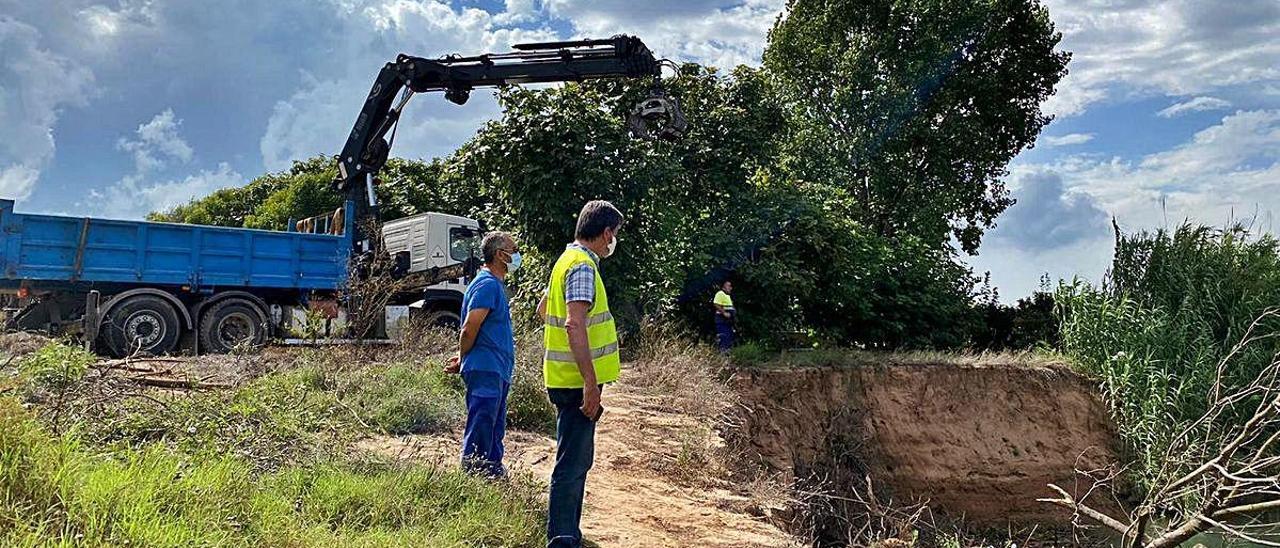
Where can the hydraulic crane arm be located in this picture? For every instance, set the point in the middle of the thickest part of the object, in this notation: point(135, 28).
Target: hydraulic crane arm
point(368, 145)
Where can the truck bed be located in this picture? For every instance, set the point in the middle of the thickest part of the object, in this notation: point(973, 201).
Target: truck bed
point(52, 248)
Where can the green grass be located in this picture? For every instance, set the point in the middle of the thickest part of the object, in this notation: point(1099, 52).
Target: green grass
point(56, 491)
point(98, 461)
point(406, 398)
point(309, 410)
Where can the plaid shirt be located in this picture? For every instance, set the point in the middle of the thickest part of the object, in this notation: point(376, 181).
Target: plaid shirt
point(580, 285)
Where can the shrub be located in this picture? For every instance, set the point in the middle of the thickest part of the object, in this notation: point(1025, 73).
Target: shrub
point(528, 407)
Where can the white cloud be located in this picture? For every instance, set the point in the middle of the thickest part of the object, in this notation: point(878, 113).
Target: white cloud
point(1196, 104)
point(1172, 47)
point(518, 12)
point(316, 117)
point(35, 85)
point(716, 32)
point(157, 142)
point(1066, 140)
point(1227, 172)
point(155, 145)
point(1016, 270)
point(133, 196)
point(17, 181)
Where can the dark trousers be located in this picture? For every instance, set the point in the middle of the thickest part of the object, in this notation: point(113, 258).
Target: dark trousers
point(482, 448)
point(575, 452)
point(724, 334)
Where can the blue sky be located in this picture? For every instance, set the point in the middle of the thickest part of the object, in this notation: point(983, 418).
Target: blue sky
point(1171, 110)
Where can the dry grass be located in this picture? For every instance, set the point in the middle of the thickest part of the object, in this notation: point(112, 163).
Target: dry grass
point(851, 357)
point(689, 375)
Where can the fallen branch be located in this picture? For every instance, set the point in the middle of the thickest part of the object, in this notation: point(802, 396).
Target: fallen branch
point(168, 382)
point(1069, 502)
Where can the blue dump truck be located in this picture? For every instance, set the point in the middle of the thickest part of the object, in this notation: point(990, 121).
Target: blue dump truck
point(142, 287)
point(129, 287)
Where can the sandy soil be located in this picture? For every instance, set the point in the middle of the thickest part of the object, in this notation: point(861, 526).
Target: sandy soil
point(978, 441)
point(629, 504)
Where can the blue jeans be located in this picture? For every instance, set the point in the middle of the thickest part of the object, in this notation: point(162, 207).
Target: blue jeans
point(482, 448)
point(575, 452)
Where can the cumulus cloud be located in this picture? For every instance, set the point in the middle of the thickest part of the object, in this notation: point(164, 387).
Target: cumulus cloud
point(134, 196)
point(1227, 172)
point(1196, 104)
point(316, 117)
point(518, 12)
point(1067, 140)
point(717, 32)
point(1230, 170)
point(157, 147)
point(1172, 47)
point(1048, 216)
point(35, 85)
point(156, 142)
point(16, 181)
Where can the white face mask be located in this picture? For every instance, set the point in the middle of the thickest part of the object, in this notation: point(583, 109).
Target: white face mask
point(514, 264)
point(613, 245)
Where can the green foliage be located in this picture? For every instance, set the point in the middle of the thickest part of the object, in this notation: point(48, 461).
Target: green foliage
point(55, 367)
point(1173, 307)
point(53, 491)
point(914, 106)
point(265, 202)
point(408, 398)
point(528, 408)
point(1028, 324)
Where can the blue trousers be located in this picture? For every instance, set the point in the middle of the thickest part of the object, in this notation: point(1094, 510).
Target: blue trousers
point(724, 335)
point(482, 448)
point(575, 452)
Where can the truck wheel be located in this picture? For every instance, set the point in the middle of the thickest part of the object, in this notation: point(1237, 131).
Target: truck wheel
point(445, 319)
point(142, 324)
point(232, 324)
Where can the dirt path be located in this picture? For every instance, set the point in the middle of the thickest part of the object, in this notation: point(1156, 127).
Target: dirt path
point(628, 502)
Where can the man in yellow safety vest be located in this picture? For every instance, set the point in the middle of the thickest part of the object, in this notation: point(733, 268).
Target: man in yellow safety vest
point(581, 357)
point(726, 316)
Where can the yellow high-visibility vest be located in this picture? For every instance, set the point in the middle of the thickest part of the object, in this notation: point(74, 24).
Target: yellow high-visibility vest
point(723, 299)
point(559, 369)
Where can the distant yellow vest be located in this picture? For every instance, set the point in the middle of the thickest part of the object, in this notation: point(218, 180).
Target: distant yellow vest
point(559, 369)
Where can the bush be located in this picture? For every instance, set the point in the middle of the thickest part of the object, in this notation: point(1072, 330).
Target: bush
point(55, 367)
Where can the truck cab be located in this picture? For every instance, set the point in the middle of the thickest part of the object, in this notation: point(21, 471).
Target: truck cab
point(434, 240)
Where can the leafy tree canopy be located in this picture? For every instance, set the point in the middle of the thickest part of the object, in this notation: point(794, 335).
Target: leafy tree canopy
point(915, 106)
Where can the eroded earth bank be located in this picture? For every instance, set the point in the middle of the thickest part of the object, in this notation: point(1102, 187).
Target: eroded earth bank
point(978, 440)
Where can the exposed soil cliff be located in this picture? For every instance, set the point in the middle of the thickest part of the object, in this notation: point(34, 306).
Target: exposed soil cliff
point(978, 440)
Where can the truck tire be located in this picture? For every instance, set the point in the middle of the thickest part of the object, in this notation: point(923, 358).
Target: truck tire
point(444, 318)
point(142, 324)
point(230, 324)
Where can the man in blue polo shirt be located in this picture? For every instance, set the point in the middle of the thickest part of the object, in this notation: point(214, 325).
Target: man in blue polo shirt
point(486, 356)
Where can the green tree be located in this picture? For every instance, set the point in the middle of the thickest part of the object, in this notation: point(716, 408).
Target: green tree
point(914, 106)
point(259, 204)
point(553, 150)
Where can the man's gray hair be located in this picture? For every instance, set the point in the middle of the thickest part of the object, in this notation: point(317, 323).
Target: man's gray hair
point(493, 242)
point(596, 217)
